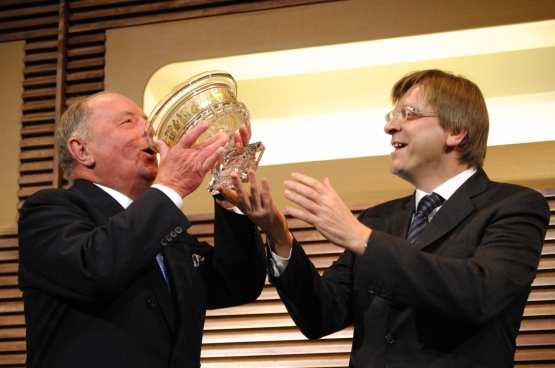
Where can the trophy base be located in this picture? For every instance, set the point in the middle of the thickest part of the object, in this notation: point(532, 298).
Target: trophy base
point(235, 160)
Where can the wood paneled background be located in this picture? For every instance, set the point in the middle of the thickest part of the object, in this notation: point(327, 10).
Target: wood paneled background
point(64, 59)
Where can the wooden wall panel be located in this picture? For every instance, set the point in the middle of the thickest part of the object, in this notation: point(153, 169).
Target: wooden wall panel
point(536, 341)
point(37, 22)
point(12, 322)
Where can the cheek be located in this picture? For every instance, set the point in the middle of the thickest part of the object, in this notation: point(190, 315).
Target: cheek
point(430, 143)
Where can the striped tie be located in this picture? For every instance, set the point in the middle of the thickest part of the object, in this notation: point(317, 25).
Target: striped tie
point(425, 207)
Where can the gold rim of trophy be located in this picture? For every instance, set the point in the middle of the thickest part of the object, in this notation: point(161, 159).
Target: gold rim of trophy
point(178, 111)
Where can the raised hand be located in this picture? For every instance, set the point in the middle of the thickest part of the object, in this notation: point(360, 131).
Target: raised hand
point(322, 207)
point(259, 207)
point(184, 167)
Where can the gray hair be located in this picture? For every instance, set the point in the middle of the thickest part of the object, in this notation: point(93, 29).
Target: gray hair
point(73, 123)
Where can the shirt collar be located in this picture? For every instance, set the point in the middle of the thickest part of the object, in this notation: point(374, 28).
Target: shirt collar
point(447, 189)
point(122, 199)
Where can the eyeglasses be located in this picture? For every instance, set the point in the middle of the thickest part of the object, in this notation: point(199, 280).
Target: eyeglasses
point(408, 113)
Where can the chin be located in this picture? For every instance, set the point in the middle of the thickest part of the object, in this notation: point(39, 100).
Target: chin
point(398, 172)
point(394, 170)
point(150, 175)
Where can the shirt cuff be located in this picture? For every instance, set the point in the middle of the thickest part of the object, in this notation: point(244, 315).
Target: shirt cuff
point(277, 263)
point(236, 210)
point(172, 194)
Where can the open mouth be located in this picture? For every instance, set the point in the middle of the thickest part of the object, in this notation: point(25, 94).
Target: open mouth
point(397, 145)
point(149, 151)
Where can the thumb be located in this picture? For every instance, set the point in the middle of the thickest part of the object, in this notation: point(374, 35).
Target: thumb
point(163, 148)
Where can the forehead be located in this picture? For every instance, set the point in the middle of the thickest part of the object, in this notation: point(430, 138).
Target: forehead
point(110, 107)
point(415, 97)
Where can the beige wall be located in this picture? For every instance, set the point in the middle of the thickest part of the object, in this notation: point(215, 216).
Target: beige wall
point(11, 77)
point(135, 53)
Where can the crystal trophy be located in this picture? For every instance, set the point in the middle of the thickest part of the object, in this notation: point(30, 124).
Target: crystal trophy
point(208, 96)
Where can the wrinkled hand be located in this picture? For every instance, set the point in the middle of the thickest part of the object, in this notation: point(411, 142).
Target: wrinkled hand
point(259, 207)
point(322, 207)
point(184, 167)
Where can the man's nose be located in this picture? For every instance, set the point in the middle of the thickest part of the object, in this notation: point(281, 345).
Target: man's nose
point(148, 131)
point(392, 126)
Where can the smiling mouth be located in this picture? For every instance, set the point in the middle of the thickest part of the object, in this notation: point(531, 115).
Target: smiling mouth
point(398, 145)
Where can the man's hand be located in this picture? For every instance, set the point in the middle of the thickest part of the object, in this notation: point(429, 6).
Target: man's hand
point(259, 207)
point(242, 137)
point(323, 208)
point(184, 167)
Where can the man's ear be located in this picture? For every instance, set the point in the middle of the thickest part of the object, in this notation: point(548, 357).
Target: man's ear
point(454, 138)
point(80, 152)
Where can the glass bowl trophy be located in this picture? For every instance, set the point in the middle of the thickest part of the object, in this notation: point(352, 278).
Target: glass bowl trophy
point(208, 96)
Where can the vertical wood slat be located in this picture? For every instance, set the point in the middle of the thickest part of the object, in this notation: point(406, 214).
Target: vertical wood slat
point(57, 175)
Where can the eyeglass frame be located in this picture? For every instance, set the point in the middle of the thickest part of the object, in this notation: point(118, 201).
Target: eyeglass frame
point(403, 114)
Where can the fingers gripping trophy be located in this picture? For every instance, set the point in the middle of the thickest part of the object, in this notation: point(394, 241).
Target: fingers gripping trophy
point(208, 96)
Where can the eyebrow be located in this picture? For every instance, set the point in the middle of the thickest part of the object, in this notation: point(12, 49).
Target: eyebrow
point(130, 113)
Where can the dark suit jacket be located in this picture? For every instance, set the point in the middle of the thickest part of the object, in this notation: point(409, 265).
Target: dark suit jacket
point(94, 294)
point(455, 298)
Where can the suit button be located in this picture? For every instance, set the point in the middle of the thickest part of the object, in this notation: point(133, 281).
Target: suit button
point(169, 238)
point(164, 242)
point(151, 304)
point(178, 230)
point(173, 234)
point(390, 339)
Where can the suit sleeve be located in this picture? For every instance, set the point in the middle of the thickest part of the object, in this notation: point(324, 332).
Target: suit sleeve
point(319, 305)
point(238, 265)
point(69, 249)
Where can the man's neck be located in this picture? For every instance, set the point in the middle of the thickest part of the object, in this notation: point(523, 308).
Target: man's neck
point(449, 187)
point(427, 182)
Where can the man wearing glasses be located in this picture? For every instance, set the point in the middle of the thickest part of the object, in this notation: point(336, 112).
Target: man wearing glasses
point(448, 292)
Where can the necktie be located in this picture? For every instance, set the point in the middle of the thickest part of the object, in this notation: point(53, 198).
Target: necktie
point(425, 207)
point(163, 268)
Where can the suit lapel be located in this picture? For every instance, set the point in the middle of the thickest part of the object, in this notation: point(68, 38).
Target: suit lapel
point(98, 197)
point(454, 210)
point(401, 222)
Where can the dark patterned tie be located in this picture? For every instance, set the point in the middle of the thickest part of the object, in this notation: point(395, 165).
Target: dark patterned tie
point(425, 207)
